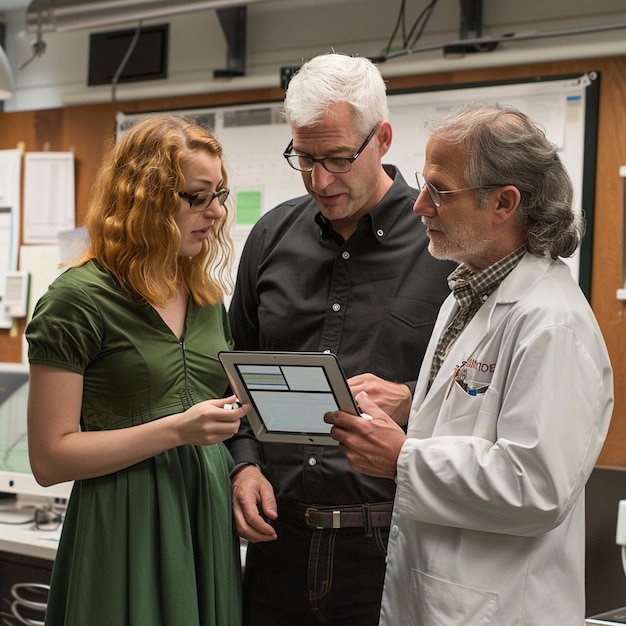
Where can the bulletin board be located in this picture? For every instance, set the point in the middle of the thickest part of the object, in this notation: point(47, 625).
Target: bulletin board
point(254, 137)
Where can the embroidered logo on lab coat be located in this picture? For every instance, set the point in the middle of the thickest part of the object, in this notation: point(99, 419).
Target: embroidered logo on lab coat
point(473, 376)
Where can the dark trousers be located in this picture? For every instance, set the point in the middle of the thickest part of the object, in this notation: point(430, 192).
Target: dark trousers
point(312, 577)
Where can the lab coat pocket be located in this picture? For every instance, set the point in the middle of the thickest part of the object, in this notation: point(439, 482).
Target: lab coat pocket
point(437, 602)
point(459, 411)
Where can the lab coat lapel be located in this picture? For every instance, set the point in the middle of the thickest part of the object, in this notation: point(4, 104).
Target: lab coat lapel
point(424, 412)
point(446, 315)
point(427, 402)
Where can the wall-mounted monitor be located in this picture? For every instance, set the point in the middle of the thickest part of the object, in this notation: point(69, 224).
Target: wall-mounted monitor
point(15, 473)
point(147, 61)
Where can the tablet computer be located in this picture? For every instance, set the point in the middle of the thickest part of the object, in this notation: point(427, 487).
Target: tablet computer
point(289, 393)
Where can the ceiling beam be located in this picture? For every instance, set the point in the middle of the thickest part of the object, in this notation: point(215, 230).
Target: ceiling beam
point(233, 22)
point(471, 29)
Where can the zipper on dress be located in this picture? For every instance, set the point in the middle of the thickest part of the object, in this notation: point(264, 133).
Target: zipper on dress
point(185, 396)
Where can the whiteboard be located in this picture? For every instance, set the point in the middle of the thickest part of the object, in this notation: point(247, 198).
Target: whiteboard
point(566, 108)
point(254, 137)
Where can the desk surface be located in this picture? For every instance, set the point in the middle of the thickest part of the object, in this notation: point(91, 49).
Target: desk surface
point(18, 535)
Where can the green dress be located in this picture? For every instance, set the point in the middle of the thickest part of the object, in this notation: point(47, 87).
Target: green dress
point(152, 544)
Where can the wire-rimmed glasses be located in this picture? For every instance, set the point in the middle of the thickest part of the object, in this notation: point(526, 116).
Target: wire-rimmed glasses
point(435, 194)
point(334, 165)
point(201, 201)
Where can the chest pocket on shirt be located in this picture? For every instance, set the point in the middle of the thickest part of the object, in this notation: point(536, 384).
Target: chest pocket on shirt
point(403, 334)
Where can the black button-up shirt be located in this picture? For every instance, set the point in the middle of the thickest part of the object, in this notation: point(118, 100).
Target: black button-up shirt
point(372, 300)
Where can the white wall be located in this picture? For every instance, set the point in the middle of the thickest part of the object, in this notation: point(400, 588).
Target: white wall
point(284, 32)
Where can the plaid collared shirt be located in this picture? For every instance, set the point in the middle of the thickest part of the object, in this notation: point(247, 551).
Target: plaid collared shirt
point(471, 289)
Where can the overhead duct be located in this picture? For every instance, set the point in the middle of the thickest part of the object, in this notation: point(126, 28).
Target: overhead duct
point(68, 15)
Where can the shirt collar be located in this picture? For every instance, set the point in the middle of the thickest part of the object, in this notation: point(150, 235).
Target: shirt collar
point(383, 216)
point(469, 286)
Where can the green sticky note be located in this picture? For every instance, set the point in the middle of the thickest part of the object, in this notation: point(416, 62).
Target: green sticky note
point(248, 207)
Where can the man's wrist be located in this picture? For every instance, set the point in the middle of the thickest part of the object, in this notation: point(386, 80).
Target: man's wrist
point(240, 466)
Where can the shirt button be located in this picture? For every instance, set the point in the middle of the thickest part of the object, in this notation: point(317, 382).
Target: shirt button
point(336, 307)
point(380, 232)
point(345, 255)
point(312, 461)
point(394, 530)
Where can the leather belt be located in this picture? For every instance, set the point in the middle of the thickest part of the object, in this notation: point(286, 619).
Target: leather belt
point(367, 516)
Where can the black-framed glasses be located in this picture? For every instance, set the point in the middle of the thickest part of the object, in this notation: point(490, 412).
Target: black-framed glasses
point(334, 165)
point(201, 201)
point(435, 194)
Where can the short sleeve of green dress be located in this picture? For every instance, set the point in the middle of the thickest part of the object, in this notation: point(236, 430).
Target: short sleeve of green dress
point(152, 544)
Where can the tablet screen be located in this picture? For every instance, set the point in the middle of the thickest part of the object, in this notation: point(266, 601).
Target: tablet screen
point(290, 397)
point(289, 393)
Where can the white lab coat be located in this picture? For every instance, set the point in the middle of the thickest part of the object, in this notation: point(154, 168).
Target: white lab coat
point(488, 522)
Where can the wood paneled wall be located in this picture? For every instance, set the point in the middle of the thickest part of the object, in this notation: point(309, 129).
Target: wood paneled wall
point(86, 129)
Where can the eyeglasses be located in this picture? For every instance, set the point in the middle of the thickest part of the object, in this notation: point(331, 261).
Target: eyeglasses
point(435, 194)
point(334, 165)
point(201, 202)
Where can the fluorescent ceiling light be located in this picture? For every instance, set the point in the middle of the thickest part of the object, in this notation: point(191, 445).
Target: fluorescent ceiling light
point(68, 15)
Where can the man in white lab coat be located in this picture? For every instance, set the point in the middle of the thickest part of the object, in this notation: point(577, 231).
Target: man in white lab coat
point(513, 400)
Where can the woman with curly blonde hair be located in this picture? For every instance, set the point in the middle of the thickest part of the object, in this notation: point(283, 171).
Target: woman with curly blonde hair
point(126, 392)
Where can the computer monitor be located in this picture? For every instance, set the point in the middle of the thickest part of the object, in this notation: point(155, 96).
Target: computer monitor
point(15, 473)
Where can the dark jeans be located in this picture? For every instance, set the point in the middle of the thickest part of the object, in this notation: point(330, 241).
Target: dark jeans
point(312, 577)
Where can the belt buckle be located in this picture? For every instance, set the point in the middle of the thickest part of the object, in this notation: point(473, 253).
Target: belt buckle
point(335, 517)
point(307, 517)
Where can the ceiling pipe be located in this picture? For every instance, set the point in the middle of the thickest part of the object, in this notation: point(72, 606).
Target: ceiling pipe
point(489, 43)
point(69, 15)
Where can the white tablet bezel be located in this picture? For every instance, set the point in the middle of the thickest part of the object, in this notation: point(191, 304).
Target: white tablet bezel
point(318, 433)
